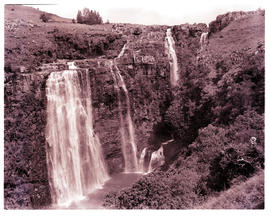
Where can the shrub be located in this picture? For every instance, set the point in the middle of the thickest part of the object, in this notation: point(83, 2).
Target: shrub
point(137, 31)
point(45, 17)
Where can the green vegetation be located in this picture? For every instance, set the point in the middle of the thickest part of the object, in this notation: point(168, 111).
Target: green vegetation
point(45, 17)
point(217, 118)
point(247, 195)
point(89, 17)
point(224, 157)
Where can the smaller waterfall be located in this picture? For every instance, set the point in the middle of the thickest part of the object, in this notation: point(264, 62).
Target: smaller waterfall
point(157, 159)
point(122, 52)
point(141, 161)
point(170, 50)
point(129, 147)
point(203, 38)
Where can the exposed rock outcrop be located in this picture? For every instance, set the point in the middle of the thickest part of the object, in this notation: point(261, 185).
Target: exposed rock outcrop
point(225, 19)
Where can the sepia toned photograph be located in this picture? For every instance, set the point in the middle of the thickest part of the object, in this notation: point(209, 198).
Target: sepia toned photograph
point(153, 105)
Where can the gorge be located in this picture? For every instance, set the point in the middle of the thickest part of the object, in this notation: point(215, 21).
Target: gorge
point(128, 116)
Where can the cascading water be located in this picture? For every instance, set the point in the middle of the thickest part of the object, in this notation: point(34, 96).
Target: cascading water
point(169, 46)
point(129, 147)
point(141, 161)
point(74, 155)
point(203, 38)
point(157, 157)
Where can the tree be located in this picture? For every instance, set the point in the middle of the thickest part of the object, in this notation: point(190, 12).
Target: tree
point(89, 17)
point(79, 17)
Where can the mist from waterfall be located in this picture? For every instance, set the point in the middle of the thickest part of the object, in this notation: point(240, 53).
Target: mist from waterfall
point(170, 51)
point(74, 154)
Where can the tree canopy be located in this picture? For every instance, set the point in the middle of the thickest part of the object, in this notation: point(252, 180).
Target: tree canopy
point(89, 17)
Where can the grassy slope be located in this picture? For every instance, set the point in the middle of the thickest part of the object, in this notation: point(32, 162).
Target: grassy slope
point(30, 14)
point(246, 195)
point(29, 42)
point(240, 34)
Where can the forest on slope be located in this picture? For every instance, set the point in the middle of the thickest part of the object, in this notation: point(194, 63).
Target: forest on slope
point(215, 114)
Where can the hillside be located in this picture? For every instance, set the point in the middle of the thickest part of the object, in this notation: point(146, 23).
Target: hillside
point(247, 195)
point(29, 42)
point(210, 125)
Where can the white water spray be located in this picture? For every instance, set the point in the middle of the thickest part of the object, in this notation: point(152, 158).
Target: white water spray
point(74, 154)
point(170, 50)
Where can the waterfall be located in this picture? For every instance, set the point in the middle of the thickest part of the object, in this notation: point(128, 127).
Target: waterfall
point(74, 154)
point(169, 46)
point(141, 161)
point(157, 159)
point(203, 38)
point(129, 147)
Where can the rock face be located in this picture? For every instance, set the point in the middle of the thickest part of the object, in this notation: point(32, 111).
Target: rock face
point(25, 180)
point(225, 19)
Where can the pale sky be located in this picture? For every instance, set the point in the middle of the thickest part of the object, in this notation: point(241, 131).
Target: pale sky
point(168, 12)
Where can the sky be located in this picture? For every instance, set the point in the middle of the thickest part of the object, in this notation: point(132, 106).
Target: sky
point(148, 12)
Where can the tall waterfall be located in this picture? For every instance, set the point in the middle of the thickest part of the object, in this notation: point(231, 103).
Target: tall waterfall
point(129, 147)
point(74, 155)
point(169, 46)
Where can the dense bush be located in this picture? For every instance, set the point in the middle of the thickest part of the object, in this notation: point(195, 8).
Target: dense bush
point(159, 190)
point(89, 17)
point(232, 151)
point(45, 17)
